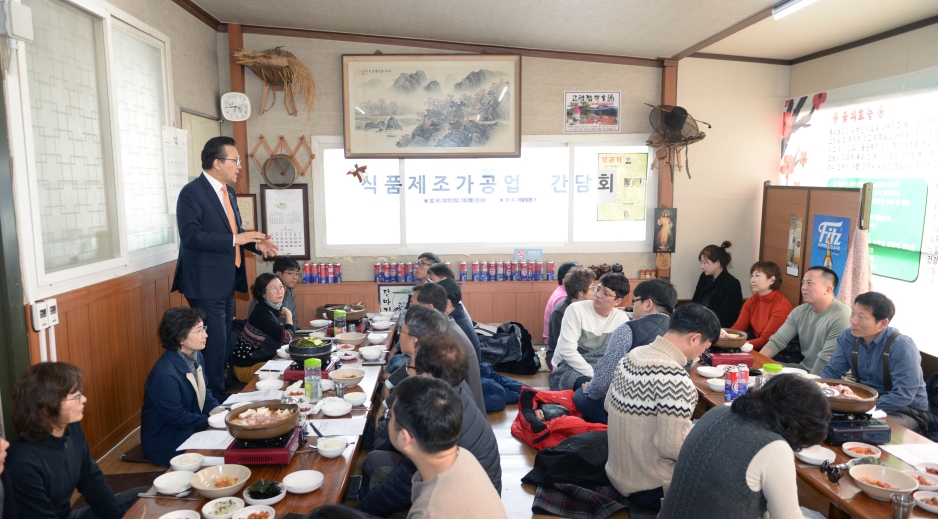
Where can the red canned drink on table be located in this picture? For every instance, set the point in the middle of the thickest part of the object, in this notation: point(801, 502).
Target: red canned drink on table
point(743, 378)
point(731, 384)
point(330, 273)
point(312, 273)
point(550, 270)
point(475, 270)
point(463, 271)
point(539, 272)
point(338, 272)
point(322, 273)
point(392, 272)
point(500, 271)
point(386, 270)
point(493, 271)
point(379, 274)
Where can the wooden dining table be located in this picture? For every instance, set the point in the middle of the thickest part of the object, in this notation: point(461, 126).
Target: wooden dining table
point(845, 498)
point(336, 470)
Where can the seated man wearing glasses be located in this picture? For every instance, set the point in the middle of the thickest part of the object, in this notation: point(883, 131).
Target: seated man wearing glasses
point(652, 308)
point(585, 332)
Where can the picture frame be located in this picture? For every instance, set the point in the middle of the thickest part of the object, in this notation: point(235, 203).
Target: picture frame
point(665, 230)
point(593, 111)
point(431, 106)
point(285, 216)
point(247, 206)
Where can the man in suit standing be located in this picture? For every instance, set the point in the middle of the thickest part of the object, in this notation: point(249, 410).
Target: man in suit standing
point(210, 267)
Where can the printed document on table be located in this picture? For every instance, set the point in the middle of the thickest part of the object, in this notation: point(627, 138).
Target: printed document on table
point(207, 440)
point(275, 365)
point(251, 397)
point(353, 427)
point(911, 454)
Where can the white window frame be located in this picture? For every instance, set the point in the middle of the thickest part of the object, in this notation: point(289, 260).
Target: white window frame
point(320, 143)
point(39, 284)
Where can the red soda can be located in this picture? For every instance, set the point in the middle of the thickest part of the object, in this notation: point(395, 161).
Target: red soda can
point(743, 378)
point(379, 274)
point(401, 275)
point(524, 270)
point(475, 271)
point(338, 272)
point(483, 271)
point(550, 270)
point(731, 384)
point(330, 273)
point(322, 273)
point(463, 271)
point(511, 269)
point(408, 272)
point(386, 269)
point(493, 271)
point(392, 272)
point(539, 271)
point(500, 271)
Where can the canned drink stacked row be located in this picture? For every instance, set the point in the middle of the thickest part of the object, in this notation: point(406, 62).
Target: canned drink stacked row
point(394, 272)
point(736, 382)
point(478, 271)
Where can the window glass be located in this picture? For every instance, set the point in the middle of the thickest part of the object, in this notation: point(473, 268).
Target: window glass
point(361, 213)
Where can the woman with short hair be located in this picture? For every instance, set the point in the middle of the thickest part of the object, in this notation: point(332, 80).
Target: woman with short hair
point(765, 311)
point(717, 289)
point(51, 459)
point(176, 402)
point(763, 428)
point(264, 333)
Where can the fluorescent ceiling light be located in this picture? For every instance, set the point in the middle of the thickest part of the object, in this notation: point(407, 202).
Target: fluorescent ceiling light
point(790, 7)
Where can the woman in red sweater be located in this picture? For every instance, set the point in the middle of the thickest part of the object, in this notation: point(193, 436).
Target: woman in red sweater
point(765, 311)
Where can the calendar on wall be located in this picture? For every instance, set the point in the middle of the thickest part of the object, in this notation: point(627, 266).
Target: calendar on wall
point(285, 214)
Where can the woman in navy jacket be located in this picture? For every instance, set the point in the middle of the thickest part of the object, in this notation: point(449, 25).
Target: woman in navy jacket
point(176, 402)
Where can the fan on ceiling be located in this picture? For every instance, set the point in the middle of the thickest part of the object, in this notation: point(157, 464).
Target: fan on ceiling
point(673, 128)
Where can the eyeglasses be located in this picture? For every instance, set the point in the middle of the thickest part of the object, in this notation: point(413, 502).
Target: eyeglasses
point(292, 272)
point(410, 367)
point(199, 330)
point(76, 398)
point(425, 264)
point(408, 333)
point(237, 161)
point(277, 288)
point(637, 300)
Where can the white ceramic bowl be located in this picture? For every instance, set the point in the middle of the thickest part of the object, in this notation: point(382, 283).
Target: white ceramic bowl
point(377, 337)
point(920, 497)
point(381, 325)
point(356, 398)
point(265, 501)
point(370, 353)
point(717, 385)
point(302, 482)
point(336, 409)
point(173, 482)
point(318, 324)
point(849, 445)
point(282, 352)
point(350, 338)
point(327, 385)
point(270, 384)
point(900, 482)
point(346, 348)
point(332, 447)
point(217, 421)
point(348, 355)
point(209, 507)
point(933, 479)
point(249, 510)
point(816, 455)
point(710, 372)
point(182, 513)
point(204, 481)
point(925, 466)
point(189, 461)
point(347, 376)
point(268, 376)
point(320, 334)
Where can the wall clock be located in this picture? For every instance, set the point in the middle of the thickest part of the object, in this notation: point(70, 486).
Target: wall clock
point(235, 106)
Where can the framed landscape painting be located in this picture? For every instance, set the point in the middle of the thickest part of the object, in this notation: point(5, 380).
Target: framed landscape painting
point(440, 105)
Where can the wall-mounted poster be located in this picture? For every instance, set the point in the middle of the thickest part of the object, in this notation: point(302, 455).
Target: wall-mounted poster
point(285, 215)
point(393, 298)
point(593, 111)
point(175, 164)
point(439, 105)
point(795, 232)
point(621, 186)
point(665, 230)
point(830, 238)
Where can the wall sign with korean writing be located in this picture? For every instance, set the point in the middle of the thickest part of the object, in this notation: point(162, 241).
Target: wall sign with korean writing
point(593, 111)
point(621, 184)
point(392, 298)
point(175, 164)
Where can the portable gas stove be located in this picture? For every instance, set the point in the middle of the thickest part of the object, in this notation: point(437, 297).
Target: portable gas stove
point(857, 427)
point(295, 371)
point(278, 450)
point(726, 357)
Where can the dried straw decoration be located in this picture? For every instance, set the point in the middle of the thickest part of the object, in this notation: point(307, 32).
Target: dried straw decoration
point(280, 70)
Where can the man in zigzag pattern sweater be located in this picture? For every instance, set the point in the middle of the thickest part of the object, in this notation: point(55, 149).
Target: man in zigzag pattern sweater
point(650, 403)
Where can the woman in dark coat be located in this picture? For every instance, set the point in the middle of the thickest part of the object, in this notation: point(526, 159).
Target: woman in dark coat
point(717, 289)
point(176, 402)
point(264, 333)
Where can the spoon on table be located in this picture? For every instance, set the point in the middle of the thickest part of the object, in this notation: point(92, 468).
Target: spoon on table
point(177, 496)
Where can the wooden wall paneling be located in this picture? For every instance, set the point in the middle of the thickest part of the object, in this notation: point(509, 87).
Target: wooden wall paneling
point(79, 350)
point(779, 204)
point(108, 377)
point(837, 202)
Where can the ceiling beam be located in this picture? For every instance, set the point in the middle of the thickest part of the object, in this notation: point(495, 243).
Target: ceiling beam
point(733, 29)
point(452, 46)
point(747, 59)
point(869, 39)
point(201, 14)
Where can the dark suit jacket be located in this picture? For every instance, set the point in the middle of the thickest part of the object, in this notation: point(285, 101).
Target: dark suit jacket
point(205, 268)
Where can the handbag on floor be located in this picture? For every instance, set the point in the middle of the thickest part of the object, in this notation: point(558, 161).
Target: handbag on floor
point(545, 418)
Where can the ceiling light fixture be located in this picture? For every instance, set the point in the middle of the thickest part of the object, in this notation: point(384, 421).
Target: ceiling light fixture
point(790, 7)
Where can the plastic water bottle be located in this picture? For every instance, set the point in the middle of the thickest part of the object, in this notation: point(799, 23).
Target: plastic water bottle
point(312, 379)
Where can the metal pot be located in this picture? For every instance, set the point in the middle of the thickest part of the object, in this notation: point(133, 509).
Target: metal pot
point(266, 431)
point(301, 354)
point(357, 312)
point(839, 404)
point(730, 343)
